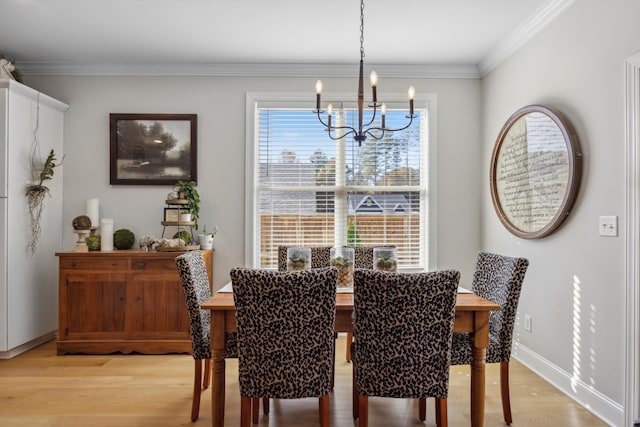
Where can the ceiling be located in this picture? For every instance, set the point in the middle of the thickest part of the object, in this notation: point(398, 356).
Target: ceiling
point(233, 36)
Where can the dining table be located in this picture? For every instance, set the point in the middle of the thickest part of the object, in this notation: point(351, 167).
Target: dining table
point(471, 315)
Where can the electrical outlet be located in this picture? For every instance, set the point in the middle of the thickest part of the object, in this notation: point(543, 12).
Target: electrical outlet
point(608, 226)
point(527, 323)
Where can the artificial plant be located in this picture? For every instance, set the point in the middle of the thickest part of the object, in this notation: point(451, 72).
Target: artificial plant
point(35, 195)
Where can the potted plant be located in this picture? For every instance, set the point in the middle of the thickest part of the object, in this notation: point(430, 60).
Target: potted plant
point(206, 238)
point(35, 195)
point(187, 190)
point(185, 216)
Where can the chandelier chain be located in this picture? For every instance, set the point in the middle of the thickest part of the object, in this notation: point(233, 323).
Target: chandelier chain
point(362, 29)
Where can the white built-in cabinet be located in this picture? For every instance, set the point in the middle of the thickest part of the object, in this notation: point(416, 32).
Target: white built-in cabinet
point(28, 281)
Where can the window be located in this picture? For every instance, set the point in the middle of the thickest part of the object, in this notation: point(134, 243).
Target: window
point(305, 189)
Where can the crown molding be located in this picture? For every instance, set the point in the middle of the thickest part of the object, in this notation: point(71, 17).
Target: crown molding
point(247, 70)
point(547, 13)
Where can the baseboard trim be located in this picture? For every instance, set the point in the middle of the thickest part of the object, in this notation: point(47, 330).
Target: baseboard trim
point(9, 354)
point(600, 405)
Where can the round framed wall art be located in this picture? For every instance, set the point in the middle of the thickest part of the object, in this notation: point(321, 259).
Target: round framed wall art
point(535, 172)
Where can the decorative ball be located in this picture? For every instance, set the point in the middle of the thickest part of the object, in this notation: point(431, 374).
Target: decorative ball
point(123, 239)
point(184, 235)
point(93, 242)
point(81, 222)
point(172, 195)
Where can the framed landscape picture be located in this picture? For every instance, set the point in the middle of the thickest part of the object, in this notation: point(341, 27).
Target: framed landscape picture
point(153, 149)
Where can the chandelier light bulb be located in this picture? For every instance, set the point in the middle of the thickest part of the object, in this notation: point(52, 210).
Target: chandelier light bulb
point(373, 77)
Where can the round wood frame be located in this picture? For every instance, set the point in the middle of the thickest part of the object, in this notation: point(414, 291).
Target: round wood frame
point(573, 173)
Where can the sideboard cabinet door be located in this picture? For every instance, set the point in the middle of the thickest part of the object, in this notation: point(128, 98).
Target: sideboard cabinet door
point(94, 306)
point(157, 309)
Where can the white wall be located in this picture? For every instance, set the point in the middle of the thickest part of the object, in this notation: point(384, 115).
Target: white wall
point(575, 286)
point(220, 105)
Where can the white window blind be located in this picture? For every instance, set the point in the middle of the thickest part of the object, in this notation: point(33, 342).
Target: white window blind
point(312, 191)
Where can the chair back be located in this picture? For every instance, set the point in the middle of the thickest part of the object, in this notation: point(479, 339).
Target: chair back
point(285, 331)
point(499, 278)
point(195, 283)
point(320, 256)
point(403, 329)
point(363, 256)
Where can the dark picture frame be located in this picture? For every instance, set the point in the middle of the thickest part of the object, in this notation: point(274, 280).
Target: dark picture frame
point(153, 149)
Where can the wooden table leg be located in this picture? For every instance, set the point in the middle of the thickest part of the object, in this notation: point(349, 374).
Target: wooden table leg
point(218, 368)
point(480, 341)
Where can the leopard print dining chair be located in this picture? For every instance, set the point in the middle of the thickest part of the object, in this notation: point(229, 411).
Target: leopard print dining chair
point(321, 257)
point(402, 338)
point(499, 279)
point(195, 283)
point(298, 308)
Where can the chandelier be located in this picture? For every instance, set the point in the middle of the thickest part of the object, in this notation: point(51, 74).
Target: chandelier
point(364, 129)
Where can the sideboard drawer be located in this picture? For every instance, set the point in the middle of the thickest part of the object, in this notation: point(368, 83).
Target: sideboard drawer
point(154, 263)
point(93, 263)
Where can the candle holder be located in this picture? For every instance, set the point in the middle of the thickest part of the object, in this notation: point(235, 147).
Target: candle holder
point(81, 244)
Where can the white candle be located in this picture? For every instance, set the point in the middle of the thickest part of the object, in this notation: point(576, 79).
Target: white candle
point(93, 208)
point(106, 234)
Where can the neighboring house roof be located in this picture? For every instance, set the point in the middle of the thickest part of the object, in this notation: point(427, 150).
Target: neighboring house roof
point(378, 203)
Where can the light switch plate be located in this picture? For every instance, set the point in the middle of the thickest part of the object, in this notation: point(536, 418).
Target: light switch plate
point(608, 226)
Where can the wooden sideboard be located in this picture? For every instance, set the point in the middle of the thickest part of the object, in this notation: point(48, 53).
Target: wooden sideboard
point(123, 301)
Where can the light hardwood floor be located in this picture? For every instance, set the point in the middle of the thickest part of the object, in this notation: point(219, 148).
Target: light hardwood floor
point(39, 388)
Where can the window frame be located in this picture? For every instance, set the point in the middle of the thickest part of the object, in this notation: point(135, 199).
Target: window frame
point(303, 100)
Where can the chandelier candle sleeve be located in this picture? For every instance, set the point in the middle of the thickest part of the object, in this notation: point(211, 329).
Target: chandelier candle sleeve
point(383, 113)
point(374, 83)
point(412, 93)
point(318, 93)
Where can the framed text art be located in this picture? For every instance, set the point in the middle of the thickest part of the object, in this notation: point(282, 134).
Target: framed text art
point(153, 149)
point(535, 171)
